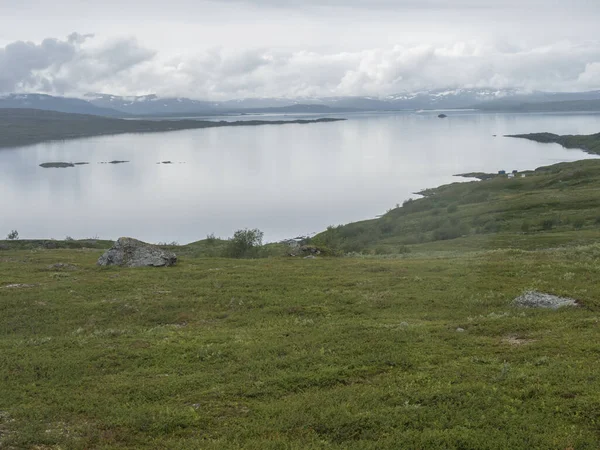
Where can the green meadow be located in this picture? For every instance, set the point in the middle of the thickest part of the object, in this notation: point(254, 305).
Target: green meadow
point(407, 339)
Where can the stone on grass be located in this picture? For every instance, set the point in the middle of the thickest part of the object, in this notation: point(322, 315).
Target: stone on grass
point(129, 252)
point(534, 299)
point(19, 286)
point(62, 266)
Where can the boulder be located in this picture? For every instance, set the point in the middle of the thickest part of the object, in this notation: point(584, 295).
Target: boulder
point(534, 299)
point(129, 252)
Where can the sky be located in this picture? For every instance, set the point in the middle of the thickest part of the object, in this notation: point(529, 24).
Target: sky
point(228, 49)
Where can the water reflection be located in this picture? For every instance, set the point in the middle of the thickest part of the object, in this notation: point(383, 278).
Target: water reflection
point(286, 180)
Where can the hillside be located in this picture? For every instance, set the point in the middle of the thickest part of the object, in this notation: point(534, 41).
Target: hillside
point(550, 202)
point(448, 98)
point(509, 105)
point(28, 126)
point(54, 103)
point(589, 143)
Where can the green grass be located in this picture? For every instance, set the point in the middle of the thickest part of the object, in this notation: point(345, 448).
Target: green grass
point(554, 202)
point(341, 353)
point(589, 143)
point(355, 352)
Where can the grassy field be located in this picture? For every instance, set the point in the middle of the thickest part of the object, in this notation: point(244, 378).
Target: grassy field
point(343, 353)
point(411, 344)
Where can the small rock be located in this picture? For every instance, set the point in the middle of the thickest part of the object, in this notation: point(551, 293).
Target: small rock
point(460, 330)
point(442, 116)
point(129, 252)
point(19, 286)
point(62, 266)
point(534, 299)
point(310, 250)
point(310, 257)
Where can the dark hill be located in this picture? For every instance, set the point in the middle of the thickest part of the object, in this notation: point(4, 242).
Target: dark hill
point(30, 126)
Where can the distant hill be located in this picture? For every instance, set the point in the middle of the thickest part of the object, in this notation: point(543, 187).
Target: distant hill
point(52, 103)
point(541, 101)
point(152, 105)
point(30, 126)
point(148, 105)
point(560, 106)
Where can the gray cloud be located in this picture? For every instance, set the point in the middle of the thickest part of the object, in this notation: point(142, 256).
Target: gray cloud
point(79, 64)
point(59, 66)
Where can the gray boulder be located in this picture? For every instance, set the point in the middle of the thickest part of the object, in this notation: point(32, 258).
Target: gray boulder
point(534, 299)
point(129, 252)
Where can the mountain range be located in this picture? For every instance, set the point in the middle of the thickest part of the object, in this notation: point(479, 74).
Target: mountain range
point(153, 105)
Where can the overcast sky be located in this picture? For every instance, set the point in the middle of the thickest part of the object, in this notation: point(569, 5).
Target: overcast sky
point(265, 48)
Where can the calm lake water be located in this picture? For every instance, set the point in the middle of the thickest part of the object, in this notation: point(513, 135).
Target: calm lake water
point(286, 180)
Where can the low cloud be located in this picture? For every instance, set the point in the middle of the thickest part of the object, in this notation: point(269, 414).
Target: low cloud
point(79, 64)
point(68, 65)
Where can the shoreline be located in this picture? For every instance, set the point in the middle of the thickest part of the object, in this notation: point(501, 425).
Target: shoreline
point(22, 128)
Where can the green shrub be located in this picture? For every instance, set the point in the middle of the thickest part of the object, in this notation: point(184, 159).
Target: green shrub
point(244, 244)
point(450, 231)
point(13, 236)
point(452, 208)
point(525, 227)
point(547, 224)
point(578, 223)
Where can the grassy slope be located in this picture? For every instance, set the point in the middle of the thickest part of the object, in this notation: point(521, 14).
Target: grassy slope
point(29, 126)
point(589, 143)
point(342, 353)
point(557, 199)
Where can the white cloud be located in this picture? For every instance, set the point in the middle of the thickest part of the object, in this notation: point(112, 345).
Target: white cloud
point(81, 63)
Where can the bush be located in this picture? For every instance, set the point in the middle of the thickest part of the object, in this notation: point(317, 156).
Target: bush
point(245, 243)
point(452, 208)
point(578, 223)
point(547, 224)
point(13, 235)
point(449, 231)
point(211, 239)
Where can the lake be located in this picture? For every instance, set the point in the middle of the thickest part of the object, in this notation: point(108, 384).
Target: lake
point(287, 180)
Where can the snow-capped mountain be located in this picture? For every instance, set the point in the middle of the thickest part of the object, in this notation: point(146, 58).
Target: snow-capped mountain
point(153, 105)
point(52, 103)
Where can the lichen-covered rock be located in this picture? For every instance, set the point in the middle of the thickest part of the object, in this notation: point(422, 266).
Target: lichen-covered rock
point(534, 299)
point(129, 252)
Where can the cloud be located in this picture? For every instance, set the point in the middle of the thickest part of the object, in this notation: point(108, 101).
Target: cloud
point(81, 63)
point(59, 66)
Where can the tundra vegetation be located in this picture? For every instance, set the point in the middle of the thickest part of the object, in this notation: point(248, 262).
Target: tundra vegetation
point(412, 341)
